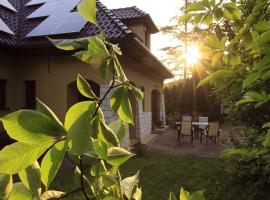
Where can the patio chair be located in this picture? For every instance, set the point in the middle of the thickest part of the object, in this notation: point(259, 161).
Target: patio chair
point(212, 133)
point(186, 118)
point(185, 130)
point(203, 119)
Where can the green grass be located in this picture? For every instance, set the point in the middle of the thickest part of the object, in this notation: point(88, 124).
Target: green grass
point(160, 174)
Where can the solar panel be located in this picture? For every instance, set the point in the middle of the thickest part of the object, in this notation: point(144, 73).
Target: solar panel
point(60, 18)
point(5, 28)
point(36, 2)
point(6, 4)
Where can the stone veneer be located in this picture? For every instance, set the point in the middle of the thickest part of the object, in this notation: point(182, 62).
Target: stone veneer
point(143, 119)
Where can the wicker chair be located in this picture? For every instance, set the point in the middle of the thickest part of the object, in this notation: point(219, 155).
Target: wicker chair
point(212, 133)
point(185, 130)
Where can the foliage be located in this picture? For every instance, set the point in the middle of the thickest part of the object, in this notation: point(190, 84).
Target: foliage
point(179, 101)
point(84, 135)
point(238, 63)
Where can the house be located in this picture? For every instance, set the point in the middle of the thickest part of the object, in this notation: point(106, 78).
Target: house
point(31, 66)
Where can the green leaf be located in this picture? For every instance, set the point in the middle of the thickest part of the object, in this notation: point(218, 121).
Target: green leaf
point(250, 79)
point(20, 192)
point(31, 178)
point(137, 194)
point(172, 196)
point(244, 101)
point(266, 142)
point(78, 123)
point(125, 109)
point(262, 63)
point(208, 19)
point(119, 129)
point(30, 126)
point(262, 26)
point(266, 75)
point(42, 108)
point(186, 17)
point(217, 57)
point(184, 195)
point(267, 125)
point(109, 180)
point(129, 184)
point(70, 44)
point(100, 148)
point(199, 195)
point(120, 104)
point(265, 37)
point(6, 185)
point(84, 88)
point(108, 135)
point(87, 9)
point(220, 74)
point(227, 14)
point(235, 152)
point(117, 155)
point(98, 169)
point(137, 93)
point(17, 156)
point(195, 7)
point(103, 69)
point(234, 59)
point(50, 194)
point(95, 53)
point(116, 99)
point(52, 161)
point(213, 42)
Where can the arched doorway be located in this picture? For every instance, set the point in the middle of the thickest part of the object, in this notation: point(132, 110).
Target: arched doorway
point(155, 107)
point(74, 96)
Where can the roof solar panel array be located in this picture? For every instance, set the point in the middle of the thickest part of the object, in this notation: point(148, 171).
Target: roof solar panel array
point(3, 25)
point(60, 18)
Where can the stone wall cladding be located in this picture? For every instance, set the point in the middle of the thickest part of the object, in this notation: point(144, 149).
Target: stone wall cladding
point(143, 119)
point(109, 114)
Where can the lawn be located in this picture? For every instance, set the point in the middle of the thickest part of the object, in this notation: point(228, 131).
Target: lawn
point(160, 174)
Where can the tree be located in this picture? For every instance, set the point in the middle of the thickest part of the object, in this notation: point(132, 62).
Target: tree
point(238, 61)
point(84, 137)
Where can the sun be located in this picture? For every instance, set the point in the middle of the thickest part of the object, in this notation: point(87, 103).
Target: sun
point(193, 55)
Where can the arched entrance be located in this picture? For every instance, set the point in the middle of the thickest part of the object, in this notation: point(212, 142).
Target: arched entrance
point(155, 107)
point(74, 96)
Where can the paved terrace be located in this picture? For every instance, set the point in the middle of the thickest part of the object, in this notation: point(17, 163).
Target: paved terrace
point(167, 143)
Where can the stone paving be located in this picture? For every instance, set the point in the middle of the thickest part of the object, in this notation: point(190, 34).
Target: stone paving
point(167, 143)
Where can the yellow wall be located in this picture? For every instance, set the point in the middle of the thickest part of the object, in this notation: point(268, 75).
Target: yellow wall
point(139, 29)
point(52, 75)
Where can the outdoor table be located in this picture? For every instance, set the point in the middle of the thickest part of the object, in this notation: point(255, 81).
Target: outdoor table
point(195, 125)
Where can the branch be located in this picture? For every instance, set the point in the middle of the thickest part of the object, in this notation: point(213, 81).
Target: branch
point(67, 194)
point(81, 178)
point(90, 165)
point(106, 94)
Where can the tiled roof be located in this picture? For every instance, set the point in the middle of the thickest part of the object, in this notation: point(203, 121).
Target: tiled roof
point(128, 13)
point(108, 21)
point(135, 15)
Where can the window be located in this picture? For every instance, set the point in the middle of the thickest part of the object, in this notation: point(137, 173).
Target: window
point(3, 84)
point(30, 94)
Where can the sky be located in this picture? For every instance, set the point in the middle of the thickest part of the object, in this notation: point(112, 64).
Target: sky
point(161, 12)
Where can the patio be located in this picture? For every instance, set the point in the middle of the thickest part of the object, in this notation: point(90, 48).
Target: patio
point(167, 143)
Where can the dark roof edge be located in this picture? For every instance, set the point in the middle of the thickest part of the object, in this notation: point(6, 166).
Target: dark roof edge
point(168, 73)
point(114, 18)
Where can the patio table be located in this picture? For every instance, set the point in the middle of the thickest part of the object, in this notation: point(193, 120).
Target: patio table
point(195, 126)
